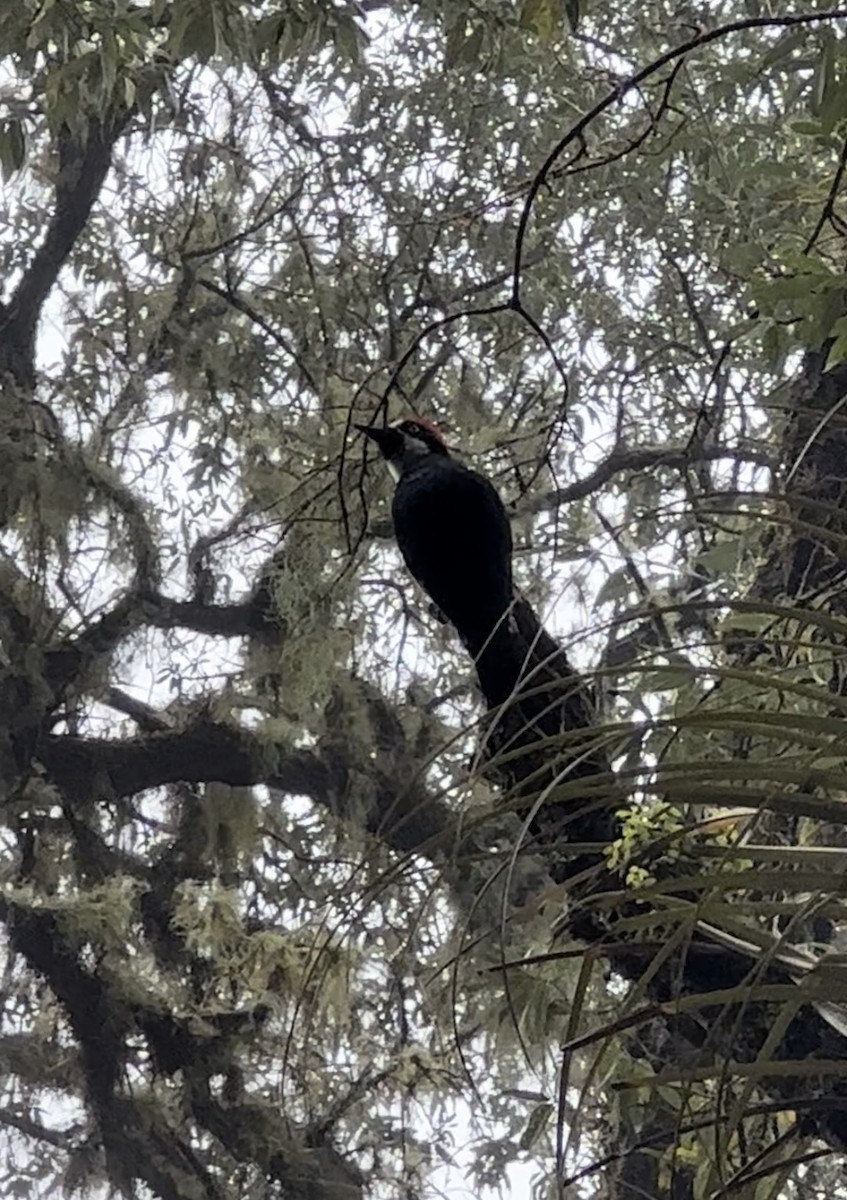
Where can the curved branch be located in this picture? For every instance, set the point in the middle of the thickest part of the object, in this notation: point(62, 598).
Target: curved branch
point(403, 812)
point(616, 95)
point(82, 168)
point(625, 459)
point(217, 620)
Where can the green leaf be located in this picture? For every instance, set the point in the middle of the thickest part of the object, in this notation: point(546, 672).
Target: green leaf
point(12, 147)
point(785, 47)
point(463, 44)
point(773, 343)
point(722, 557)
point(266, 33)
point(808, 128)
point(539, 1119)
point(838, 350)
point(194, 31)
point(824, 77)
point(349, 38)
point(543, 17)
point(669, 678)
point(769, 292)
point(618, 585)
point(834, 106)
point(826, 314)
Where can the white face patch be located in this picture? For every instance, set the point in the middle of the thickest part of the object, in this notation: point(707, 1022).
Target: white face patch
point(414, 449)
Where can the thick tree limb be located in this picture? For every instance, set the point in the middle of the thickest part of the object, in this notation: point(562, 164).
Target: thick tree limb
point(34, 1129)
point(203, 752)
point(409, 819)
point(217, 620)
point(139, 1142)
point(402, 811)
point(253, 1133)
point(83, 164)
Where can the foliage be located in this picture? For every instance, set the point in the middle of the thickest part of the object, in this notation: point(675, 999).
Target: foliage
point(271, 928)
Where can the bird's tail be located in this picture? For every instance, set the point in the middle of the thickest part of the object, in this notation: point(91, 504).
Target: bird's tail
point(541, 730)
point(525, 675)
point(519, 665)
point(501, 663)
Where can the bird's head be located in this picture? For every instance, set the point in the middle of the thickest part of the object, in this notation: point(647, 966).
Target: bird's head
point(405, 443)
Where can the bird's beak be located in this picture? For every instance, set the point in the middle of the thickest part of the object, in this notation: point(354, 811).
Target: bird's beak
point(388, 439)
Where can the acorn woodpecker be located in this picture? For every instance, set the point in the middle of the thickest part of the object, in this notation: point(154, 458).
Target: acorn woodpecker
point(454, 535)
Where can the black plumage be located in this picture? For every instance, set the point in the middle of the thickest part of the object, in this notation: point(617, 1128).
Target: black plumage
point(453, 532)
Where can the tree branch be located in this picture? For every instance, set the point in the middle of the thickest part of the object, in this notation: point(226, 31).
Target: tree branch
point(217, 620)
point(82, 169)
point(403, 811)
point(648, 458)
